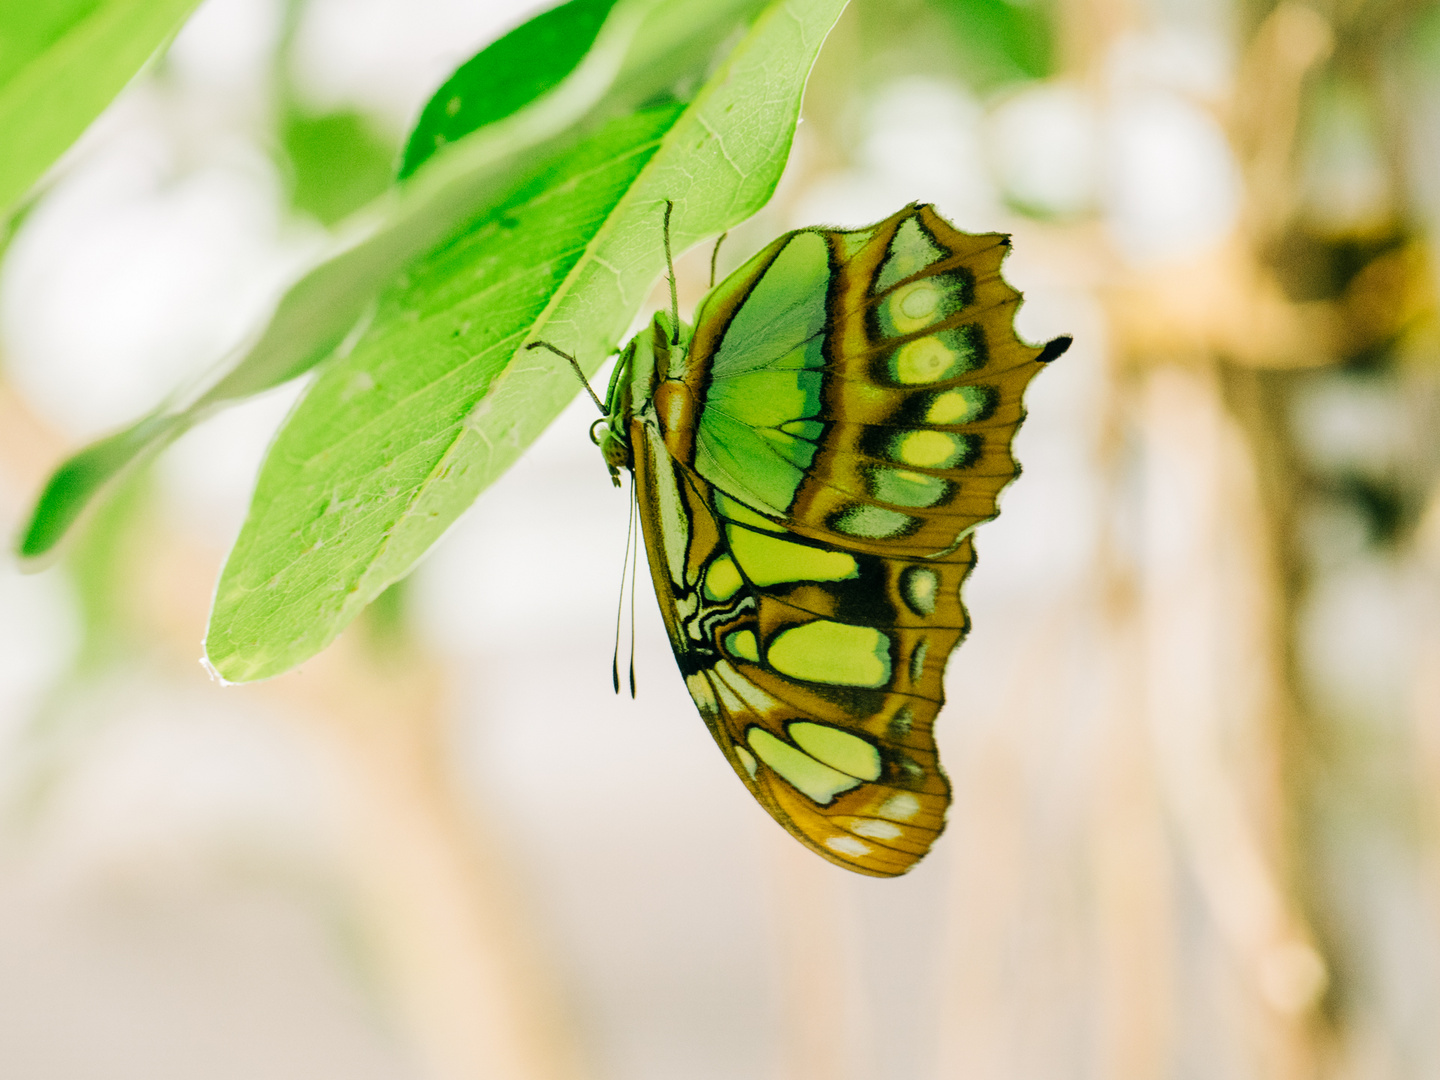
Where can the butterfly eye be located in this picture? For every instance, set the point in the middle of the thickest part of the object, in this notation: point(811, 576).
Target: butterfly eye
point(613, 448)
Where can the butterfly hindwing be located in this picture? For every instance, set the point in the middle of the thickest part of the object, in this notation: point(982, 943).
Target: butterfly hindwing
point(810, 471)
point(832, 728)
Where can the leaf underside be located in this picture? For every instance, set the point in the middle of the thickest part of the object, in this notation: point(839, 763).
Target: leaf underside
point(437, 398)
point(643, 47)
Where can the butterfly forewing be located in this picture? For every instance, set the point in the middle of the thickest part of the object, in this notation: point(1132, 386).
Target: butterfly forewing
point(809, 482)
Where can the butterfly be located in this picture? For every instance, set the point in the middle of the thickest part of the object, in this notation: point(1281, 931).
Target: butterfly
point(810, 460)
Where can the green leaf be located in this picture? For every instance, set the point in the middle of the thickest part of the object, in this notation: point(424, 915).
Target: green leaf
point(67, 494)
point(338, 162)
point(61, 63)
point(505, 76)
point(645, 47)
point(396, 439)
point(101, 569)
point(1002, 41)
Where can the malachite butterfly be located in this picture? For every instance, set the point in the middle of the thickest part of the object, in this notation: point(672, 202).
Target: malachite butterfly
point(810, 461)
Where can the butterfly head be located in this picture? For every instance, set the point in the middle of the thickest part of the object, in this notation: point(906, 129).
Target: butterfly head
point(647, 373)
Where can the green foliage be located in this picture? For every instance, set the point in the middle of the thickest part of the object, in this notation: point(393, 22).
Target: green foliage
point(438, 397)
point(1001, 41)
point(374, 433)
point(337, 160)
point(507, 75)
point(534, 213)
point(645, 47)
point(101, 570)
point(68, 492)
point(27, 30)
point(61, 62)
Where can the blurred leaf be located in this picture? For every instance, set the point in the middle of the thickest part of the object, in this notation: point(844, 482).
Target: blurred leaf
point(1000, 41)
point(338, 160)
point(505, 76)
point(395, 440)
point(61, 63)
point(1422, 41)
point(386, 625)
point(1383, 504)
point(645, 47)
point(68, 492)
point(101, 569)
point(27, 30)
point(1312, 265)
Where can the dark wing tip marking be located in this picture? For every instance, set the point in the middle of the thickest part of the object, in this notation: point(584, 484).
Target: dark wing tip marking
point(1054, 349)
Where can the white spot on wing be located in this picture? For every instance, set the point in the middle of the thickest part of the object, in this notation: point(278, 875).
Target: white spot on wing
point(747, 759)
point(876, 830)
point(901, 806)
point(757, 700)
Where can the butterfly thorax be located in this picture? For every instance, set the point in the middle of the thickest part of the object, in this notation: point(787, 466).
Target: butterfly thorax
point(646, 384)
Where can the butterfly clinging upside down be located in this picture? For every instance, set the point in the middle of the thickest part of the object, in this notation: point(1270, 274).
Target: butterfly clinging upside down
point(810, 461)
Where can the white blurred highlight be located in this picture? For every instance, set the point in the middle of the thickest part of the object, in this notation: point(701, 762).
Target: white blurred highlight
point(142, 267)
point(1172, 189)
point(386, 59)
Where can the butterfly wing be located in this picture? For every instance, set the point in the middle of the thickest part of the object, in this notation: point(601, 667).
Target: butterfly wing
point(844, 759)
point(809, 483)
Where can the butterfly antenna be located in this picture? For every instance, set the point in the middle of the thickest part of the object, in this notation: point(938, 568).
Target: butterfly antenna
point(670, 266)
point(715, 255)
point(574, 364)
point(620, 601)
point(634, 567)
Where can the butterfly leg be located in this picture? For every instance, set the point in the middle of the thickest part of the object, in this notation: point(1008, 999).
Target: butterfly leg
point(715, 256)
point(574, 364)
point(670, 269)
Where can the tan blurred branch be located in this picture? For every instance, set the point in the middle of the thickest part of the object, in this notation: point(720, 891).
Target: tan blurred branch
point(1265, 115)
point(1230, 301)
point(1212, 614)
point(461, 947)
point(1218, 694)
point(1224, 302)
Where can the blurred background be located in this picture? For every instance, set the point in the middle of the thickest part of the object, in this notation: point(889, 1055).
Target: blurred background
point(1194, 736)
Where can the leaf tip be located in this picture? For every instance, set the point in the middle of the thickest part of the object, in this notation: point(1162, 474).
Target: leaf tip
point(214, 672)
